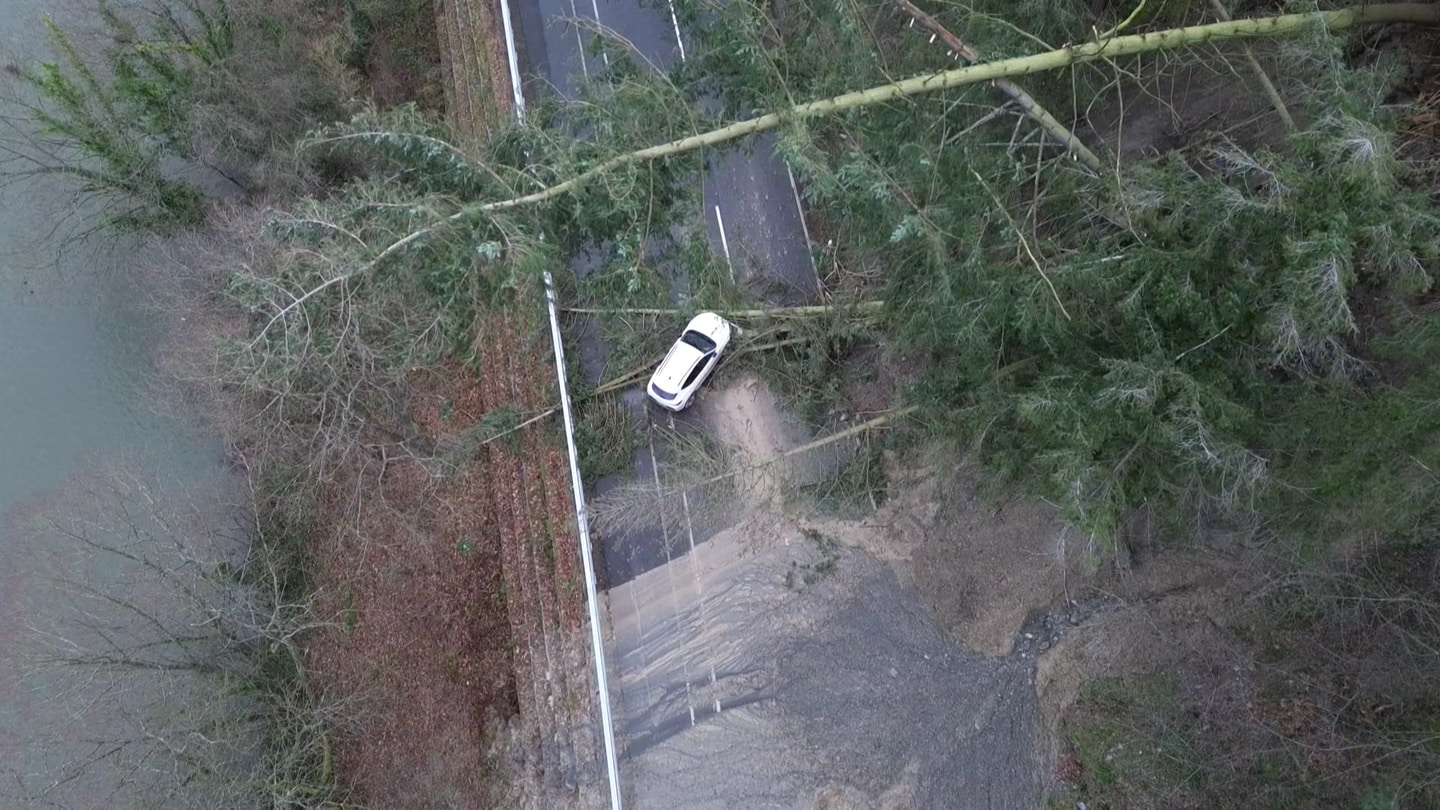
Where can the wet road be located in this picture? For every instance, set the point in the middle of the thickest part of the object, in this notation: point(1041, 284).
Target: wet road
point(751, 203)
point(737, 684)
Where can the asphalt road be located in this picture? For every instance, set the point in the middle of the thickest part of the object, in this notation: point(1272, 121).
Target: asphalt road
point(751, 204)
point(733, 686)
point(751, 207)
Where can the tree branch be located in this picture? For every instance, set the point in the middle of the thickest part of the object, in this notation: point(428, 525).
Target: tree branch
point(776, 312)
point(1010, 90)
point(1023, 241)
point(302, 299)
point(1068, 56)
point(878, 422)
point(1273, 94)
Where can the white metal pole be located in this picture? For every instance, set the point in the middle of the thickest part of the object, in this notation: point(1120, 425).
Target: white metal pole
point(514, 59)
point(592, 596)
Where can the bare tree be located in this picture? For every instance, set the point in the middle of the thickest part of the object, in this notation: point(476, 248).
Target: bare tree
point(181, 641)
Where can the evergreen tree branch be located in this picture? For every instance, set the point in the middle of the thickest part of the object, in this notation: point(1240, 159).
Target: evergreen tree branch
point(1041, 116)
point(1260, 75)
point(1023, 241)
point(1068, 56)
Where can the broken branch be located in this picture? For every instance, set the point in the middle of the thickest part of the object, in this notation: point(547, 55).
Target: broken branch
point(776, 312)
point(1052, 126)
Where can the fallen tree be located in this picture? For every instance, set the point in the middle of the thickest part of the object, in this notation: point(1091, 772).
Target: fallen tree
point(1069, 56)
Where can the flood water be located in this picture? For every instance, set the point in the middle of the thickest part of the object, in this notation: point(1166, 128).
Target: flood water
point(76, 403)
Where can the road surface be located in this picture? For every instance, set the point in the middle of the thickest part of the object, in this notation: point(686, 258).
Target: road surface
point(735, 685)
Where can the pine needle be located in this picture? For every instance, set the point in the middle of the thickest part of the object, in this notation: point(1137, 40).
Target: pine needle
point(1023, 241)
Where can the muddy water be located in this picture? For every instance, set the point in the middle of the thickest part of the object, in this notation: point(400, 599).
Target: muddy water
point(76, 347)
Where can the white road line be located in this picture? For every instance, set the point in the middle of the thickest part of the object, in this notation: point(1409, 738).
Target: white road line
point(595, 6)
point(675, 21)
point(725, 243)
point(644, 659)
point(579, 41)
point(669, 572)
point(699, 586)
point(804, 226)
point(514, 59)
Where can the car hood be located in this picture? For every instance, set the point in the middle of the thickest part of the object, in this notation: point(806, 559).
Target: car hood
point(676, 365)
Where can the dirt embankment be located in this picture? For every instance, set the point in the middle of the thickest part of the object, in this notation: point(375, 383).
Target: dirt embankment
point(463, 638)
point(555, 744)
point(528, 483)
point(983, 568)
point(474, 66)
point(421, 647)
point(1171, 615)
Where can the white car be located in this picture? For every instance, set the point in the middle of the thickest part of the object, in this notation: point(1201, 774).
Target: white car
point(690, 361)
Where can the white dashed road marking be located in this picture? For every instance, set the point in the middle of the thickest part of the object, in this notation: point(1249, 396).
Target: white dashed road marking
point(580, 41)
point(699, 583)
point(725, 242)
point(670, 572)
point(675, 21)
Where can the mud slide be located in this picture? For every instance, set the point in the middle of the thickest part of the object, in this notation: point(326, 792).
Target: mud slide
point(742, 685)
point(778, 666)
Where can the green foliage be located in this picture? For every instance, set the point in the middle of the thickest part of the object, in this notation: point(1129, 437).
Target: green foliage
point(125, 116)
point(608, 435)
point(1363, 461)
point(361, 27)
point(1128, 345)
point(800, 576)
point(1197, 291)
point(857, 488)
point(171, 97)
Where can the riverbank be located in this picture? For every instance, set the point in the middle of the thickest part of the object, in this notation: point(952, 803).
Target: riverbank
point(382, 565)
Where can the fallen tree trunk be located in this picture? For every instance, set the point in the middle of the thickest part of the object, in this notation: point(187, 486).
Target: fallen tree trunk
point(887, 419)
point(1107, 48)
point(1027, 103)
point(992, 71)
point(775, 312)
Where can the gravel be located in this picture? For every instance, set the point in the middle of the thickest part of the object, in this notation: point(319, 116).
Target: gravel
point(844, 692)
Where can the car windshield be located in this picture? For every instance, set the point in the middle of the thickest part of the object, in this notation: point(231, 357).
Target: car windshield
point(699, 341)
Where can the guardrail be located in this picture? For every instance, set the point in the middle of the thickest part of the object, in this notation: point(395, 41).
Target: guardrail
point(513, 58)
point(587, 556)
point(592, 597)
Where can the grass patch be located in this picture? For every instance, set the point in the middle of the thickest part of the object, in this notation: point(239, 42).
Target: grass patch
point(858, 488)
point(806, 374)
point(800, 576)
point(1128, 736)
point(395, 47)
point(607, 435)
